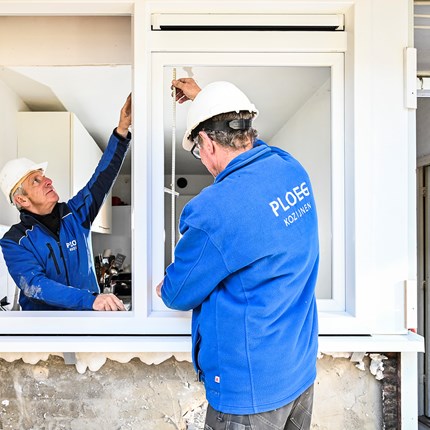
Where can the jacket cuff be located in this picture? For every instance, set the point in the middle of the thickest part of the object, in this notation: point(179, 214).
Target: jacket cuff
point(120, 137)
point(88, 301)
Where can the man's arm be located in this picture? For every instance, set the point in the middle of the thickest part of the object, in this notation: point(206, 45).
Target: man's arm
point(87, 202)
point(197, 270)
point(125, 118)
point(29, 275)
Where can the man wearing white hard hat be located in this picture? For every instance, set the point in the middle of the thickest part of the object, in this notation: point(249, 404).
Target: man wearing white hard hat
point(246, 265)
point(48, 253)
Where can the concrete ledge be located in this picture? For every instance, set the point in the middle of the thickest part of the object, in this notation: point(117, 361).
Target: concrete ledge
point(410, 342)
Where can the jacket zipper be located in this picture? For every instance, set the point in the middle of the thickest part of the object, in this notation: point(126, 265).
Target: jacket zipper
point(64, 262)
point(57, 266)
point(52, 255)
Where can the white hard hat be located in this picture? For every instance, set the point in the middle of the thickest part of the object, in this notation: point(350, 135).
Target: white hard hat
point(214, 99)
point(16, 170)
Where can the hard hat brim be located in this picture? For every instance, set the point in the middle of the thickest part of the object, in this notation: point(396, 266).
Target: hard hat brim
point(186, 143)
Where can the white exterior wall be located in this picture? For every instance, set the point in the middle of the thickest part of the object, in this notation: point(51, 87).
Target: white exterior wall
point(377, 123)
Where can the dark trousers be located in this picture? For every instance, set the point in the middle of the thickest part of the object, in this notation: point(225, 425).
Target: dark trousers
point(294, 416)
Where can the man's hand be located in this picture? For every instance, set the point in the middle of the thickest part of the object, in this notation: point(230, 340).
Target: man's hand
point(186, 89)
point(108, 302)
point(158, 289)
point(125, 118)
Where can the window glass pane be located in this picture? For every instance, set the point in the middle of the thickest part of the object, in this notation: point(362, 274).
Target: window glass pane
point(295, 115)
point(69, 127)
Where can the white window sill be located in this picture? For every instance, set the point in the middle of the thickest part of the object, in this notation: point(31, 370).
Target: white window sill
point(410, 342)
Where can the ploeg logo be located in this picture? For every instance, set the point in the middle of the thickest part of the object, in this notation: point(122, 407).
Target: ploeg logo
point(291, 198)
point(289, 203)
point(72, 245)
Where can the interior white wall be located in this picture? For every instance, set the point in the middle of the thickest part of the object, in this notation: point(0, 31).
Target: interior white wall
point(306, 136)
point(53, 41)
point(9, 106)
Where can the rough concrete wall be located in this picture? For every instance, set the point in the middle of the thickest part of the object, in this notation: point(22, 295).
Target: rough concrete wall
point(51, 396)
point(346, 398)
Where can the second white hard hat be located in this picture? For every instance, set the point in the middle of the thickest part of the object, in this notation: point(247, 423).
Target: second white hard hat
point(214, 99)
point(16, 170)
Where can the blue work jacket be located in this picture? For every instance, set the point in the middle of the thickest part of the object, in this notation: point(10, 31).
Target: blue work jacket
point(57, 273)
point(247, 265)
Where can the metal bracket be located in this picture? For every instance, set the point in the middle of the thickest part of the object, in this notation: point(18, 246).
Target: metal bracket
point(69, 357)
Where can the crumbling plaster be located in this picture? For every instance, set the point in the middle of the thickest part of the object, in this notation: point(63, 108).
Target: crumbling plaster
point(153, 391)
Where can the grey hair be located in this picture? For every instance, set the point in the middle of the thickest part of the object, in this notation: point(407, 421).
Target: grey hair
point(18, 192)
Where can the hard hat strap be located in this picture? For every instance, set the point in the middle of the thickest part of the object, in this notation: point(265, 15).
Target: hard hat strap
point(209, 125)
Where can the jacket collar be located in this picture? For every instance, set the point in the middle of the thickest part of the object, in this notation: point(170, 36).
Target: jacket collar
point(28, 218)
point(260, 148)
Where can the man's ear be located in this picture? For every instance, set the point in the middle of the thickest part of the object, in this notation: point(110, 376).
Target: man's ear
point(209, 144)
point(21, 200)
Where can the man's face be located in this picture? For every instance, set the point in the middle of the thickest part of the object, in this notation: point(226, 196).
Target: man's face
point(208, 155)
point(39, 195)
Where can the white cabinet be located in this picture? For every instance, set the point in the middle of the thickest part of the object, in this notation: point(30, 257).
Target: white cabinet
point(72, 155)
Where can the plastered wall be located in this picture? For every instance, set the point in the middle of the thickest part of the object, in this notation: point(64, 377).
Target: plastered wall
point(153, 392)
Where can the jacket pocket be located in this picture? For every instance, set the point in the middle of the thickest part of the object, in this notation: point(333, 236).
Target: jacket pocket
point(195, 354)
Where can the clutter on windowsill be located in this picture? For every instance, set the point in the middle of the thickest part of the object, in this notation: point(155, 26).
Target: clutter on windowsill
point(116, 201)
point(113, 277)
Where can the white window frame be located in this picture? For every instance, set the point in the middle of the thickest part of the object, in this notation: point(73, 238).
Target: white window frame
point(335, 61)
point(338, 314)
point(144, 319)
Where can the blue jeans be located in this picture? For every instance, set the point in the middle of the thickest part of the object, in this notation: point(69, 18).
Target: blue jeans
point(294, 416)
